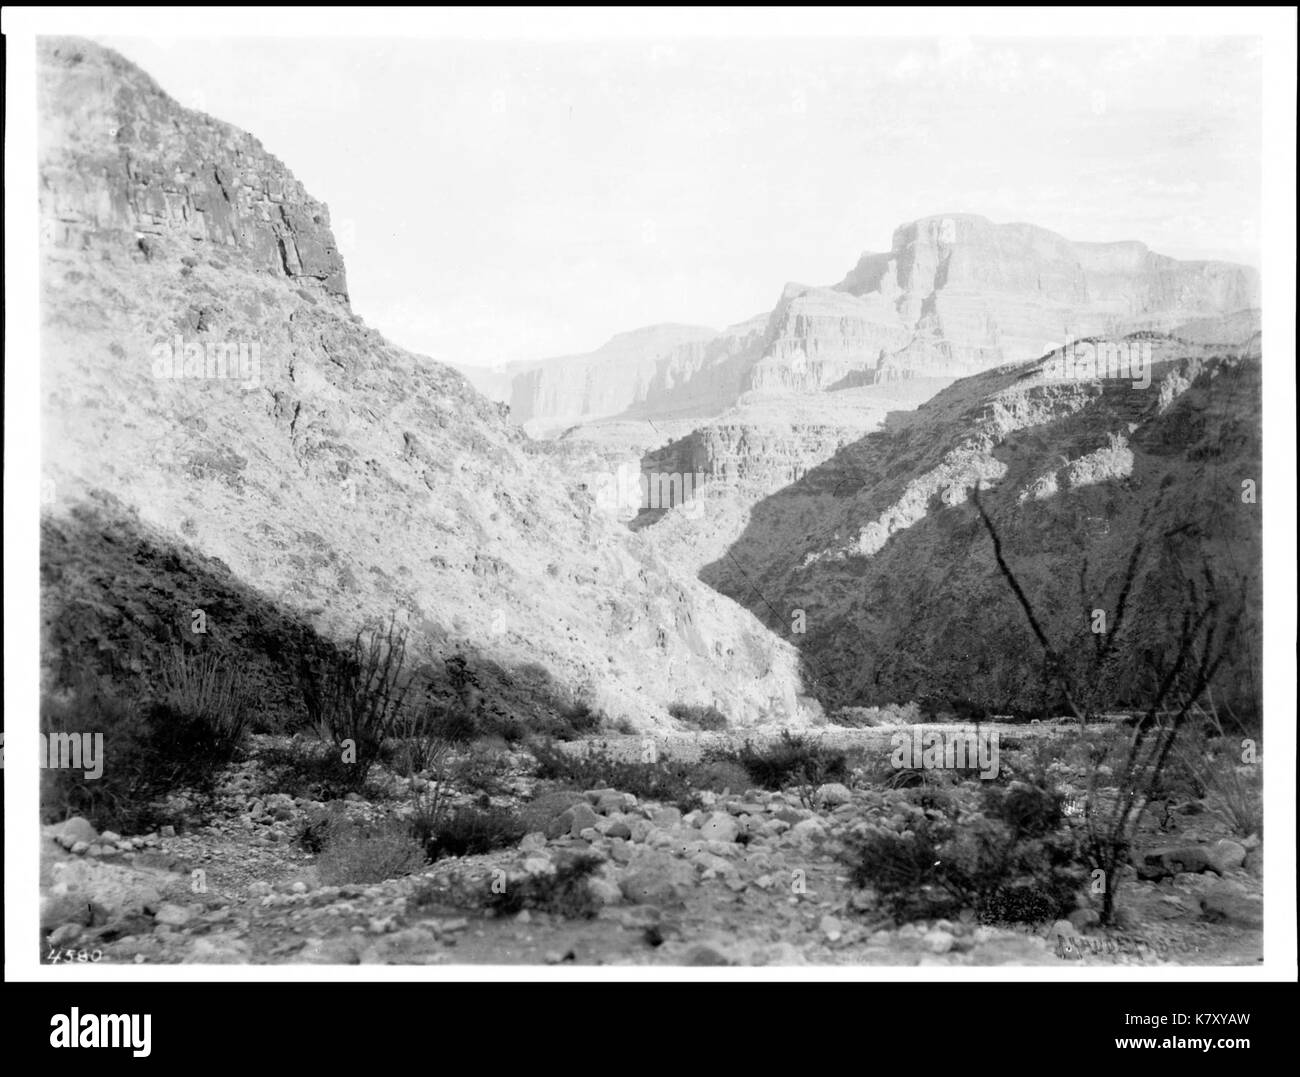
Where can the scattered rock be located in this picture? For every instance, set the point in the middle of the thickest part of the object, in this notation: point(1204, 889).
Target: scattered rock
point(75, 830)
point(720, 827)
point(832, 794)
point(173, 915)
point(1226, 855)
point(938, 942)
point(1162, 863)
point(809, 830)
point(667, 818)
point(706, 953)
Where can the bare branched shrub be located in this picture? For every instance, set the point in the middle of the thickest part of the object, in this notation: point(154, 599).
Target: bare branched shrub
point(357, 695)
point(1181, 676)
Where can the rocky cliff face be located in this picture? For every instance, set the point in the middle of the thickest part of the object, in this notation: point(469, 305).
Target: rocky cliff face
point(206, 385)
point(954, 295)
point(660, 371)
point(959, 294)
point(122, 164)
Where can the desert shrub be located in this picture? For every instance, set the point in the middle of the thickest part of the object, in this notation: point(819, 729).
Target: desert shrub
point(699, 716)
point(622, 724)
point(721, 776)
point(372, 853)
point(467, 832)
point(358, 694)
point(496, 724)
point(905, 778)
point(564, 892)
point(308, 769)
point(1011, 860)
point(1215, 763)
point(481, 769)
point(580, 718)
point(320, 827)
point(791, 760)
point(151, 748)
point(212, 694)
point(666, 780)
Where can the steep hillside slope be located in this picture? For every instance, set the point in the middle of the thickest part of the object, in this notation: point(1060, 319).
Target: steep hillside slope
point(206, 385)
point(882, 550)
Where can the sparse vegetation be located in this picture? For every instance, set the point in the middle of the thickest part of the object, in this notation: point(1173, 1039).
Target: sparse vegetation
point(790, 760)
point(1007, 856)
point(1085, 674)
point(667, 780)
point(354, 698)
point(363, 854)
point(563, 892)
point(211, 693)
point(152, 747)
point(467, 831)
point(307, 768)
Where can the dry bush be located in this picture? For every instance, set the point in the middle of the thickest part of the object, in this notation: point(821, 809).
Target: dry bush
point(356, 854)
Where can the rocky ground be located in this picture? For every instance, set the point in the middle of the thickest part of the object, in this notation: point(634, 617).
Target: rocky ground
point(749, 879)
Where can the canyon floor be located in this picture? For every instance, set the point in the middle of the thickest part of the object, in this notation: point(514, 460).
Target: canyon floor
point(751, 878)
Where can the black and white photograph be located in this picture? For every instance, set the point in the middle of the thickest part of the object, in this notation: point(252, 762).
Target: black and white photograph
point(737, 493)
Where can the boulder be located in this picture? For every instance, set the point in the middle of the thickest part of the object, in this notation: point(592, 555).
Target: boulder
point(667, 818)
point(1226, 855)
point(1162, 863)
point(657, 878)
point(720, 827)
point(75, 830)
point(809, 830)
point(173, 915)
point(833, 794)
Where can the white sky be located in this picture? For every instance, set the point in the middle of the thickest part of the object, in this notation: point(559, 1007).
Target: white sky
point(499, 201)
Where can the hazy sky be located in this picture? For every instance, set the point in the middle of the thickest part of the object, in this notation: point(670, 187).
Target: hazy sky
point(500, 201)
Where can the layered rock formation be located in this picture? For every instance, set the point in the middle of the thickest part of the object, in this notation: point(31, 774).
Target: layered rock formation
point(116, 167)
point(661, 371)
point(954, 295)
point(210, 398)
point(958, 294)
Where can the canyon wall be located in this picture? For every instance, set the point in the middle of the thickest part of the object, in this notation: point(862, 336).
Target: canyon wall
point(210, 398)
